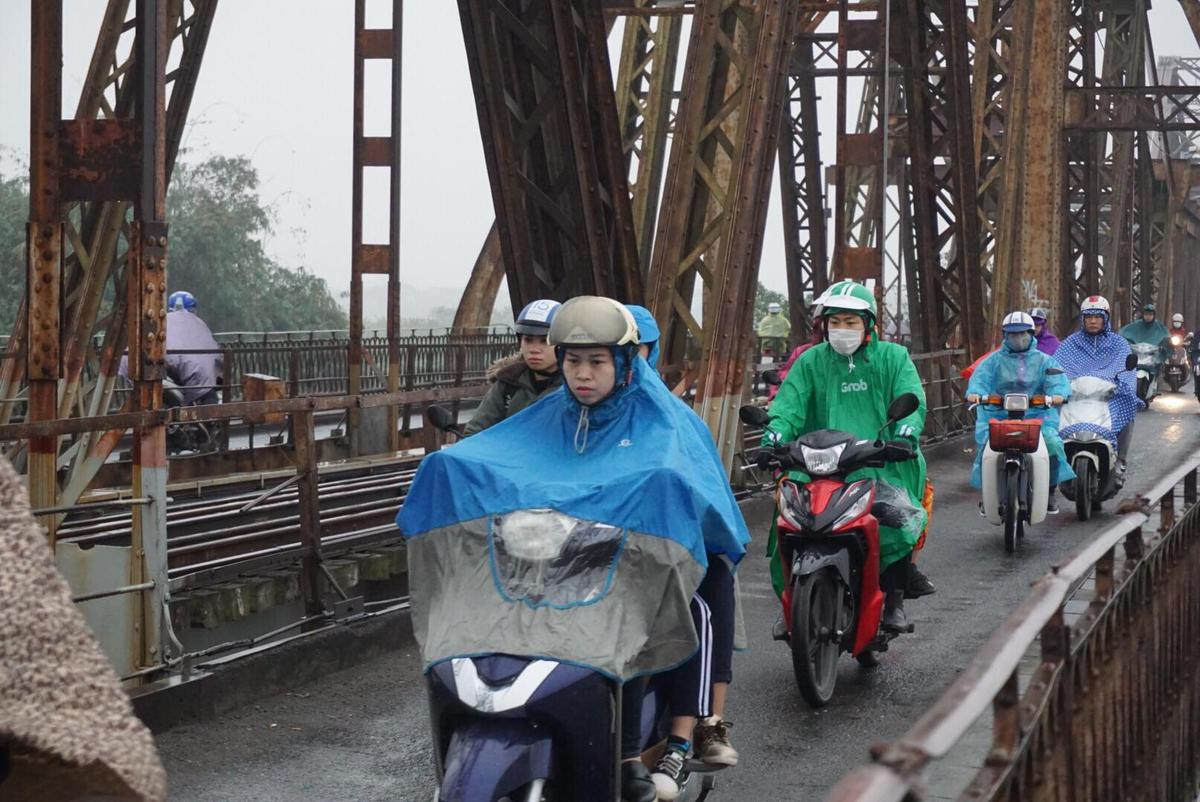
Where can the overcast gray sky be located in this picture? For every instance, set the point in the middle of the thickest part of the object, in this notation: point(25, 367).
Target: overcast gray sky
point(276, 86)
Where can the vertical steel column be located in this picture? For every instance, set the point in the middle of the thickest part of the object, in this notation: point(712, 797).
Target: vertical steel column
point(801, 195)
point(305, 454)
point(718, 184)
point(940, 145)
point(547, 114)
point(44, 236)
point(990, 87)
point(861, 153)
point(644, 93)
point(479, 296)
point(1031, 212)
point(384, 44)
point(1084, 157)
point(146, 284)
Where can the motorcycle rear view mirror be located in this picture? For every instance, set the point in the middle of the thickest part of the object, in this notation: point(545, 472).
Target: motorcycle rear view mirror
point(772, 377)
point(754, 416)
point(441, 417)
point(902, 407)
point(1131, 362)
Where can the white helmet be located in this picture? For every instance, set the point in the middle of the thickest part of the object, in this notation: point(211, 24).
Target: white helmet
point(1176, 319)
point(1016, 322)
point(592, 321)
point(1095, 305)
point(774, 308)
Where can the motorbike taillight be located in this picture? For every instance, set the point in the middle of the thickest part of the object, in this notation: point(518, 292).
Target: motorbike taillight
point(793, 504)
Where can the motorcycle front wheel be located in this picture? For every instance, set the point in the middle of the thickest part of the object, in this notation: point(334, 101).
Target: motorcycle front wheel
point(814, 640)
point(1084, 471)
point(1012, 507)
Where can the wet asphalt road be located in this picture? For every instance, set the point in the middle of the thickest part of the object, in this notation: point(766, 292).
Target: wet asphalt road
point(361, 734)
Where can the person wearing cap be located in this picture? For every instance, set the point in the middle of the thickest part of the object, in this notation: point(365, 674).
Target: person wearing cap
point(1047, 342)
point(521, 379)
point(773, 330)
point(847, 383)
point(1018, 367)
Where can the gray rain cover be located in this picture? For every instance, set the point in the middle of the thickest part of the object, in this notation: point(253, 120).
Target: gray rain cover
point(539, 583)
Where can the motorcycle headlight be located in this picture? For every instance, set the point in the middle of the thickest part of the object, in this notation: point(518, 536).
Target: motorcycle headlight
point(1016, 403)
point(859, 506)
point(793, 504)
point(1175, 339)
point(822, 461)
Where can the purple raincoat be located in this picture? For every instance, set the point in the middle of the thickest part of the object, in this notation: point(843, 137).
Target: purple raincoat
point(1047, 343)
point(195, 374)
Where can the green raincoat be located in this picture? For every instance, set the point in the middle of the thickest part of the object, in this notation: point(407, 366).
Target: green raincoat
point(825, 390)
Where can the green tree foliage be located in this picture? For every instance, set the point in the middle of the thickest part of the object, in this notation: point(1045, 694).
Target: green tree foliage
point(14, 211)
point(765, 296)
point(218, 223)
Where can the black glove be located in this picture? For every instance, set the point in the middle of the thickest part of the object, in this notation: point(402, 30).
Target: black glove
point(763, 458)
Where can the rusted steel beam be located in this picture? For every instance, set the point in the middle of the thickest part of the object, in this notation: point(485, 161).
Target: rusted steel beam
point(644, 94)
point(304, 440)
point(375, 258)
point(1124, 65)
point(802, 199)
point(1153, 108)
point(940, 150)
point(547, 115)
point(44, 249)
point(479, 297)
point(718, 183)
point(1030, 232)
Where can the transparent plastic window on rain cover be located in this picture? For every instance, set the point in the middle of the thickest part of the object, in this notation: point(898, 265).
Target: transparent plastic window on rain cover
point(547, 559)
point(894, 508)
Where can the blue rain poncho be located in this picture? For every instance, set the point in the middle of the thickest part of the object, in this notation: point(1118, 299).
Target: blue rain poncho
point(634, 465)
point(1101, 355)
point(647, 331)
point(1009, 371)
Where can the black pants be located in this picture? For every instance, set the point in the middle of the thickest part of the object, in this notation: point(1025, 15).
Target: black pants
point(689, 687)
point(632, 694)
point(895, 576)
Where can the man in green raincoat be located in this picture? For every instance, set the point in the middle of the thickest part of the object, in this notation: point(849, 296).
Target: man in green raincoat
point(846, 383)
point(773, 331)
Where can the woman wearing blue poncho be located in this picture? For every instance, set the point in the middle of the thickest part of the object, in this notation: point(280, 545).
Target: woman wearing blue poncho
point(612, 447)
point(1018, 367)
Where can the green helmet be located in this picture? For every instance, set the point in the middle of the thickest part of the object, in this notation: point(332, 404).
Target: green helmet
point(849, 296)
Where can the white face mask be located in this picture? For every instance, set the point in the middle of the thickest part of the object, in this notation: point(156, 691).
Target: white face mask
point(845, 341)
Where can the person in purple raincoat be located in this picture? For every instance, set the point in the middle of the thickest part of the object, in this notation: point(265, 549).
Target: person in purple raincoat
point(196, 374)
point(1047, 343)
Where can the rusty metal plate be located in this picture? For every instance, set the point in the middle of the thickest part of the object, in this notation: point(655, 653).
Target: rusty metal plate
point(377, 43)
point(377, 151)
point(861, 264)
point(44, 263)
point(101, 159)
point(864, 34)
point(375, 259)
point(152, 308)
point(862, 150)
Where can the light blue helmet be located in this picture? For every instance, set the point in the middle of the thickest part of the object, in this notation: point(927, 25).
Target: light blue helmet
point(181, 299)
point(647, 331)
point(536, 317)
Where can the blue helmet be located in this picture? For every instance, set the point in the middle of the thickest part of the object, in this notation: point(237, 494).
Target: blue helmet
point(536, 317)
point(181, 299)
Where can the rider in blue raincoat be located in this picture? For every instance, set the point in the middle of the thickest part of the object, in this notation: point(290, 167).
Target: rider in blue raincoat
point(612, 447)
point(1018, 367)
point(1097, 350)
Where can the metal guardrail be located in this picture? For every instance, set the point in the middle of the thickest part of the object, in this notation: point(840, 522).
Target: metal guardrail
point(1112, 709)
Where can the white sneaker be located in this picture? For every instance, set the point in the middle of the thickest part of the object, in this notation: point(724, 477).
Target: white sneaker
point(668, 775)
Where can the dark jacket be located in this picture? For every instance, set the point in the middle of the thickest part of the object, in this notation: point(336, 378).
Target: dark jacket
point(512, 390)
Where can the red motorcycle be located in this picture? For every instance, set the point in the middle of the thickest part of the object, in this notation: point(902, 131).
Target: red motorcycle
point(829, 546)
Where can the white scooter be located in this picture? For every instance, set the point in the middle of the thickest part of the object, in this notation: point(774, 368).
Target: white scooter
point(1016, 466)
point(1147, 370)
